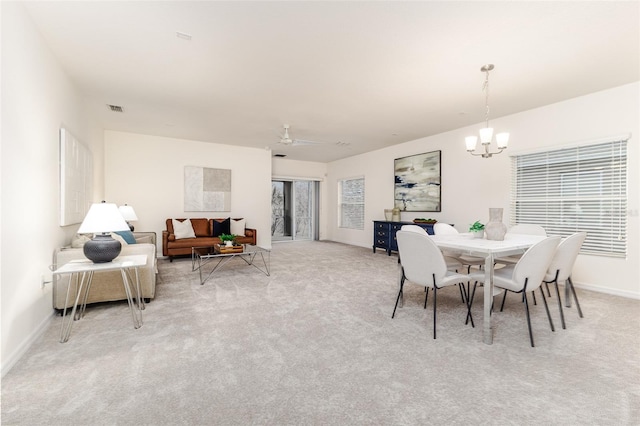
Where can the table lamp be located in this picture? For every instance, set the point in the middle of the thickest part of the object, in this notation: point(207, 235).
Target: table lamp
point(102, 219)
point(128, 214)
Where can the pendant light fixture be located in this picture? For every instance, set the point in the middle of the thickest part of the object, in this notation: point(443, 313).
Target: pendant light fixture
point(486, 133)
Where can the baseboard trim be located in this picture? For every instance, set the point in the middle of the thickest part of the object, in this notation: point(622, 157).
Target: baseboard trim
point(12, 359)
point(605, 290)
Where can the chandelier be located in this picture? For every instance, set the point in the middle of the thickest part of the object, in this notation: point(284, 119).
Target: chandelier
point(486, 133)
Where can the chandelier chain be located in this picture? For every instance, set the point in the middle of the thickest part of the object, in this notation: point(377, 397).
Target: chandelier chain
point(485, 88)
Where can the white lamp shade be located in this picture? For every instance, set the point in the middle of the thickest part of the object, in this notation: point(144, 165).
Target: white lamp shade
point(128, 213)
point(471, 142)
point(486, 134)
point(103, 217)
point(502, 140)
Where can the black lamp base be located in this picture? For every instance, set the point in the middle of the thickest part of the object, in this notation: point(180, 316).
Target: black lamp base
point(102, 248)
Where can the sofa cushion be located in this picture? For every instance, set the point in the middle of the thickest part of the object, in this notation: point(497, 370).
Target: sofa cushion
point(78, 240)
point(237, 226)
point(127, 236)
point(182, 229)
point(201, 227)
point(221, 226)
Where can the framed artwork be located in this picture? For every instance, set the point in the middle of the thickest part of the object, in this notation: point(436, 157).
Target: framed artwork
point(417, 182)
point(206, 189)
point(76, 179)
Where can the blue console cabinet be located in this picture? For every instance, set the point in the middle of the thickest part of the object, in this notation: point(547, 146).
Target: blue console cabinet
point(384, 234)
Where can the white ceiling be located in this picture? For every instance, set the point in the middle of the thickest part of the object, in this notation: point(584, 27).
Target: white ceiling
point(367, 74)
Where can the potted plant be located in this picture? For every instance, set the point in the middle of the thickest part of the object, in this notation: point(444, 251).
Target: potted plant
point(477, 229)
point(228, 239)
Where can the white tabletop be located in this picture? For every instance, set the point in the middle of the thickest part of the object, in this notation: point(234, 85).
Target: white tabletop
point(85, 265)
point(512, 243)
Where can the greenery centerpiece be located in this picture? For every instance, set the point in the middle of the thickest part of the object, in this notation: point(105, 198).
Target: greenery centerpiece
point(228, 239)
point(477, 229)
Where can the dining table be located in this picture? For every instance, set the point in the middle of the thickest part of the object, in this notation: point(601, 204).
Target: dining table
point(468, 245)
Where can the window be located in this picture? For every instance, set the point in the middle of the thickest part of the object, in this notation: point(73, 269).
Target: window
point(575, 189)
point(351, 203)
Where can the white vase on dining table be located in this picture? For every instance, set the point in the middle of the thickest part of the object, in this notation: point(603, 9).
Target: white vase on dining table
point(495, 229)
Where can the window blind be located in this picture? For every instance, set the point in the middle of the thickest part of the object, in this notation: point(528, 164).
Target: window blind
point(575, 189)
point(351, 203)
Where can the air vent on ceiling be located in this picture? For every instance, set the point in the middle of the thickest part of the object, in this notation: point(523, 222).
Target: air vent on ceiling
point(115, 108)
point(280, 155)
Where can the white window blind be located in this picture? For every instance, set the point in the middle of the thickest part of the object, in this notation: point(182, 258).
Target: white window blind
point(351, 203)
point(575, 189)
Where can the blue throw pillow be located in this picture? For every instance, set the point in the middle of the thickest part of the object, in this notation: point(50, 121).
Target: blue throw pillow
point(221, 226)
point(127, 236)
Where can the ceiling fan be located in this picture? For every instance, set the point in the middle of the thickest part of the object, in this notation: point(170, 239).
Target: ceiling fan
point(288, 141)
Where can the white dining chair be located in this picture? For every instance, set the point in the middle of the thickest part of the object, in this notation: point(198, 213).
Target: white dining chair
point(525, 229)
point(468, 261)
point(422, 263)
point(526, 275)
point(562, 265)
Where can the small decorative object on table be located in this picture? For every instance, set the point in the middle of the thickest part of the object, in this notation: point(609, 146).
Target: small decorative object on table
point(395, 214)
point(224, 249)
point(423, 220)
point(228, 239)
point(477, 229)
point(388, 214)
point(495, 229)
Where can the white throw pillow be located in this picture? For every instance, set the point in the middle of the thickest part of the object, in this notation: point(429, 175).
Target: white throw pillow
point(183, 229)
point(237, 227)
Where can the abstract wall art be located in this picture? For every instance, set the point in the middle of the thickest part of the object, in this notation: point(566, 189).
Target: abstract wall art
point(417, 182)
point(76, 179)
point(207, 190)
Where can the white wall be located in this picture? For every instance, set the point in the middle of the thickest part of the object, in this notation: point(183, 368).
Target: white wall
point(293, 169)
point(471, 185)
point(37, 99)
point(147, 172)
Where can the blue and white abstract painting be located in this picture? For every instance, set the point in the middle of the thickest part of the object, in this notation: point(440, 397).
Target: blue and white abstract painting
point(417, 182)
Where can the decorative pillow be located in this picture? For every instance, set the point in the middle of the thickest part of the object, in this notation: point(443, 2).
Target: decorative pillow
point(117, 237)
point(237, 226)
point(78, 240)
point(221, 226)
point(127, 236)
point(182, 229)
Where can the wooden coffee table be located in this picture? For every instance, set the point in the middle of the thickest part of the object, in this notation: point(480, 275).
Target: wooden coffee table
point(220, 255)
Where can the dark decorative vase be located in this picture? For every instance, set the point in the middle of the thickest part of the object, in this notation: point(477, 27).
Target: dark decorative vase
point(495, 229)
point(103, 248)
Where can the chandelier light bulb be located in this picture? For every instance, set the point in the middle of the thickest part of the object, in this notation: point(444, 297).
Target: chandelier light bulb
point(471, 142)
point(502, 140)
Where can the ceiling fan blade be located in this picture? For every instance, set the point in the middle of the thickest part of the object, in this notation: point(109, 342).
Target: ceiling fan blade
point(305, 142)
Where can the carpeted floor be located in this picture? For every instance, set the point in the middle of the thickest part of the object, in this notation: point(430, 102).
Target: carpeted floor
point(315, 344)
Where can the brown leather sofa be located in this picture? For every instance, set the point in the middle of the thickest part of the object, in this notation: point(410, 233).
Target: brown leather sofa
point(204, 231)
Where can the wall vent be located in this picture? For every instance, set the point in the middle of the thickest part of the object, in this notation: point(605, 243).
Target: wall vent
point(280, 155)
point(115, 108)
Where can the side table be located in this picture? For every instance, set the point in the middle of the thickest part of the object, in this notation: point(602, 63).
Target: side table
point(82, 271)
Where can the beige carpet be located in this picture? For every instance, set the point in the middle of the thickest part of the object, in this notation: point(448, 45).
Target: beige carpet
point(315, 344)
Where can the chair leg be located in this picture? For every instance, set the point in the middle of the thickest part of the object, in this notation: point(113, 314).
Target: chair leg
point(548, 292)
point(526, 309)
point(473, 294)
point(546, 307)
point(426, 296)
point(503, 299)
point(461, 295)
point(535, 302)
point(575, 296)
point(466, 300)
point(435, 294)
point(564, 326)
point(398, 298)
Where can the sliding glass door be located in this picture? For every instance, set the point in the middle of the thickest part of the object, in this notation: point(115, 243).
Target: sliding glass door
point(294, 208)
